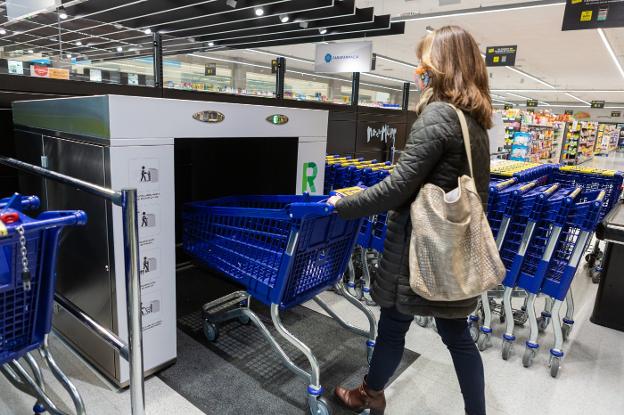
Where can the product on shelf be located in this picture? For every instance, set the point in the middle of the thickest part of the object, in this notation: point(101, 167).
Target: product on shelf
point(580, 140)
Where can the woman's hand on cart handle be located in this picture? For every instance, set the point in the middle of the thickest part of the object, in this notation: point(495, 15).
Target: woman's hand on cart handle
point(333, 200)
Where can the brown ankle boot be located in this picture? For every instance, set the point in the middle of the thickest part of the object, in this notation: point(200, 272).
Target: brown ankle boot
point(362, 398)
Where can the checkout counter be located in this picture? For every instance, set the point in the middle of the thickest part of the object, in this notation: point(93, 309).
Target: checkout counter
point(609, 306)
point(173, 152)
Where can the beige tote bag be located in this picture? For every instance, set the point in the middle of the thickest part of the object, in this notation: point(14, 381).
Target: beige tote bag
point(452, 254)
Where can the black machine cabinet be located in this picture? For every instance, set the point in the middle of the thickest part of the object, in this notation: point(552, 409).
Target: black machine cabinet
point(609, 306)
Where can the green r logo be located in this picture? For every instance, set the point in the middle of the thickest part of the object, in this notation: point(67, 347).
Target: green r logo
point(310, 170)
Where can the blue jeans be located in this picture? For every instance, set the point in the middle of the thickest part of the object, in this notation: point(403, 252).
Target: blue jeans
point(388, 352)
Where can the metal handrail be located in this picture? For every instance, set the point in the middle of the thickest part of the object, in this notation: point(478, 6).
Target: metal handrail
point(133, 350)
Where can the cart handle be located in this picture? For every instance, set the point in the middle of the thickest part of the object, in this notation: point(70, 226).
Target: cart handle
point(51, 219)
point(19, 202)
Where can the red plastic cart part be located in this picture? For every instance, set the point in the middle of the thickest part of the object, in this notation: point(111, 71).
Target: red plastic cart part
point(9, 218)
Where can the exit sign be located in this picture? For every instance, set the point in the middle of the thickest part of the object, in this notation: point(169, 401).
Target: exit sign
point(616, 114)
point(597, 104)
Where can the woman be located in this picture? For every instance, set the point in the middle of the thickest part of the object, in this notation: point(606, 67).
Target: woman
point(452, 71)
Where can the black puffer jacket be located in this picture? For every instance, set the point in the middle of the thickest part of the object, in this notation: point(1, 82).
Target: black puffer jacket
point(434, 153)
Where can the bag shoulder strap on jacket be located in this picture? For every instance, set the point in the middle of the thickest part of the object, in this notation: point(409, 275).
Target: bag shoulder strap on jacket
point(465, 135)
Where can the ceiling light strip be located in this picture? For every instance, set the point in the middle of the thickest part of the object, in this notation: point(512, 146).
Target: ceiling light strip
point(511, 68)
point(572, 91)
point(577, 98)
point(386, 58)
point(481, 10)
point(518, 96)
point(609, 48)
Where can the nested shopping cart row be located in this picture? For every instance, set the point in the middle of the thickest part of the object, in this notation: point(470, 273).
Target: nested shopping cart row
point(542, 228)
point(342, 172)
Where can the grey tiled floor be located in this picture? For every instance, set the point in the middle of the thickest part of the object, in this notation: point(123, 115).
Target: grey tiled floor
point(591, 381)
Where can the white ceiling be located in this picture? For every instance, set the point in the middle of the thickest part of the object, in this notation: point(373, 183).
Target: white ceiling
point(570, 60)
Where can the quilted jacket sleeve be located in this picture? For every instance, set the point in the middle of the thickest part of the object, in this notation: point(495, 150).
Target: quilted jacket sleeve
point(426, 144)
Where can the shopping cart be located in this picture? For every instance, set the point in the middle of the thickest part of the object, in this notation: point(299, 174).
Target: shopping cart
point(558, 267)
point(27, 281)
point(594, 179)
point(284, 250)
point(503, 196)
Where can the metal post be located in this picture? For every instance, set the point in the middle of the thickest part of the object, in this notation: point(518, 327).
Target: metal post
point(406, 91)
point(158, 59)
point(355, 89)
point(133, 298)
point(279, 77)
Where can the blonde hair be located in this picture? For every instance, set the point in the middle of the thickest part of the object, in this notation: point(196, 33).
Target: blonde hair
point(459, 73)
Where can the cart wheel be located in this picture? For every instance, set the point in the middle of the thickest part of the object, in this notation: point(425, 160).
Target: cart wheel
point(474, 331)
point(565, 330)
point(542, 324)
point(520, 317)
point(506, 353)
point(322, 407)
point(591, 260)
point(244, 320)
point(211, 331)
point(502, 317)
point(484, 341)
point(595, 275)
point(555, 363)
point(527, 358)
point(39, 409)
point(422, 321)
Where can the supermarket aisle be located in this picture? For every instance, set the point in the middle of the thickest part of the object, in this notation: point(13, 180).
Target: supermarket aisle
point(614, 161)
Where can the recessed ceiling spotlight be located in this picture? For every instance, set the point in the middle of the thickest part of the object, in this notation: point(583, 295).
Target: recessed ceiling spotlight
point(62, 13)
point(30, 51)
point(69, 55)
point(52, 39)
point(284, 18)
point(231, 3)
point(2, 31)
point(148, 31)
point(119, 49)
point(259, 11)
point(304, 25)
point(79, 43)
point(211, 44)
point(322, 30)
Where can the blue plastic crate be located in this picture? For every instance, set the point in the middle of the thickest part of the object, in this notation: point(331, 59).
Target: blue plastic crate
point(283, 249)
point(26, 315)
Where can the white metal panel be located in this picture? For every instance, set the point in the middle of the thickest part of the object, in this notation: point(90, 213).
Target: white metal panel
point(140, 117)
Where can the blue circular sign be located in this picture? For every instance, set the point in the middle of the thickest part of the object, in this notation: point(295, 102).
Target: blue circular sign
point(328, 57)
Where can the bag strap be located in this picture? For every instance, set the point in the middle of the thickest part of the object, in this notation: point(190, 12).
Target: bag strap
point(465, 135)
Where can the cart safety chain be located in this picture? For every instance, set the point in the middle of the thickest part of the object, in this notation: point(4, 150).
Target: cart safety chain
point(26, 280)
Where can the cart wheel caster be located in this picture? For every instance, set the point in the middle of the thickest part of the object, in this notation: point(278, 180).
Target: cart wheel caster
point(244, 320)
point(506, 353)
point(542, 324)
point(527, 358)
point(422, 321)
point(591, 260)
point(474, 332)
point(484, 341)
point(211, 331)
point(322, 407)
point(39, 409)
point(555, 365)
point(595, 275)
point(565, 330)
point(502, 318)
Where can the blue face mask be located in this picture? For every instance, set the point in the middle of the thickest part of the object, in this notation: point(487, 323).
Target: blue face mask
point(425, 77)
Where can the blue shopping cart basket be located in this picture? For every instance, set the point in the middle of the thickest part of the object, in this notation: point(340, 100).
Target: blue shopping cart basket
point(26, 298)
point(283, 249)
